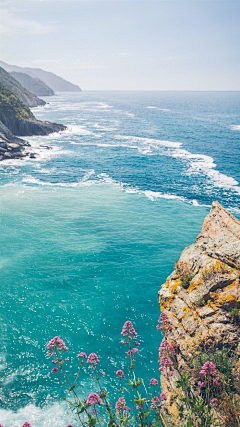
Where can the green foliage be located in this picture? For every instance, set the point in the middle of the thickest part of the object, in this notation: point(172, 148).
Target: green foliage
point(186, 280)
point(235, 315)
point(17, 89)
point(11, 106)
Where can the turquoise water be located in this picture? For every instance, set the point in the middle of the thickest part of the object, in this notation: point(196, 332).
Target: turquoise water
point(91, 228)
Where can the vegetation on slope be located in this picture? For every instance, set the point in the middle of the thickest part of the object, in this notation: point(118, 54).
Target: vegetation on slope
point(11, 105)
point(15, 87)
point(33, 85)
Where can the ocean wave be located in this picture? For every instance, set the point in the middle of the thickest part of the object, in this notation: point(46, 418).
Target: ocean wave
point(235, 127)
point(56, 415)
point(154, 142)
point(204, 165)
point(151, 107)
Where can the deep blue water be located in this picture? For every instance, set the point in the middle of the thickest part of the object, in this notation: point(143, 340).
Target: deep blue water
point(92, 227)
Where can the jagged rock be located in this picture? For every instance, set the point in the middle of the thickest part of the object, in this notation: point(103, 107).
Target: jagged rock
point(202, 290)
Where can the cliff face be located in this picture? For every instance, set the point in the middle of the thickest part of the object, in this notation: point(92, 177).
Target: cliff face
point(19, 119)
point(11, 147)
point(201, 293)
point(18, 90)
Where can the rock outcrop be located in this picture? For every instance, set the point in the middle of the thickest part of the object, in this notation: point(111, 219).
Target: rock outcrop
point(201, 294)
point(11, 147)
point(19, 119)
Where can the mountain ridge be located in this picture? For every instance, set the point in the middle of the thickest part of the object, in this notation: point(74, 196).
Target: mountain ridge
point(33, 85)
point(55, 82)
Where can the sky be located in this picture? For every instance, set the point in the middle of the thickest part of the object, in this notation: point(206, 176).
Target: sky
point(127, 44)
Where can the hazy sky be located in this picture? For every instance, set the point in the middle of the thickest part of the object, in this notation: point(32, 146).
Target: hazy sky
point(127, 44)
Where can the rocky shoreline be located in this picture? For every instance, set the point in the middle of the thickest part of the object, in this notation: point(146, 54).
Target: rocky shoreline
point(13, 147)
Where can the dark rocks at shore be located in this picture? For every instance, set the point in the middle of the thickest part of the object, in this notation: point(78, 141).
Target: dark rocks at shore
point(30, 126)
point(11, 147)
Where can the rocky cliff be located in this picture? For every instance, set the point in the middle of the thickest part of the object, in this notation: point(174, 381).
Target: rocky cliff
point(202, 299)
point(19, 119)
point(11, 147)
point(18, 90)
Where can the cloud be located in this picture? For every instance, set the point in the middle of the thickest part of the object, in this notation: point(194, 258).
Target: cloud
point(12, 23)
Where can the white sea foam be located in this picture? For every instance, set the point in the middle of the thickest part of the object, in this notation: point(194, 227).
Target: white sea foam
point(151, 107)
point(204, 165)
point(235, 127)
point(56, 415)
point(149, 141)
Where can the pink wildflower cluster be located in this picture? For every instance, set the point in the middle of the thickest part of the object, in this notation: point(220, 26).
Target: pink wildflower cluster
point(209, 369)
point(121, 405)
point(156, 401)
point(153, 381)
point(165, 324)
point(54, 345)
point(93, 361)
point(94, 399)
point(26, 425)
point(128, 331)
point(82, 355)
point(120, 373)
point(166, 352)
point(166, 349)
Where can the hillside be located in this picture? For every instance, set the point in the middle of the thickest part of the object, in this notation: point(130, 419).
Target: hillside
point(18, 90)
point(56, 83)
point(19, 119)
point(33, 85)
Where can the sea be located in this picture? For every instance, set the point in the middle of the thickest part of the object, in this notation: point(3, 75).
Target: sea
point(92, 226)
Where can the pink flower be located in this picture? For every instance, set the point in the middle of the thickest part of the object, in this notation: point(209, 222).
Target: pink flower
point(128, 330)
point(214, 400)
point(93, 360)
point(82, 355)
point(26, 425)
point(135, 350)
point(153, 381)
point(120, 373)
point(56, 344)
point(155, 403)
point(70, 425)
point(201, 384)
point(94, 399)
point(216, 381)
point(93, 411)
point(103, 374)
point(121, 405)
point(54, 370)
point(166, 349)
point(208, 367)
point(165, 323)
point(163, 396)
